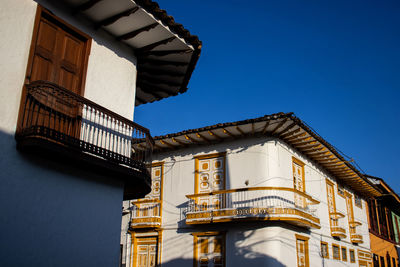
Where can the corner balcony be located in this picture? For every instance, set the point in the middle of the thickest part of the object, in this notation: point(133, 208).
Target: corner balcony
point(146, 213)
point(337, 225)
point(61, 125)
point(253, 204)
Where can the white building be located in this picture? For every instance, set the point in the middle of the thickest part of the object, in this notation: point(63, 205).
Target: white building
point(72, 72)
point(261, 192)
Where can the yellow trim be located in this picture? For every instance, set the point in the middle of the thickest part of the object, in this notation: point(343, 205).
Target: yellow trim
point(327, 250)
point(333, 253)
point(354, 253)
point(341, 252)
point(305, 239)
point(195, 246)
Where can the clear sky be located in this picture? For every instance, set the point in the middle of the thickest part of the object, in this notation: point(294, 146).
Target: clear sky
point(335, 64)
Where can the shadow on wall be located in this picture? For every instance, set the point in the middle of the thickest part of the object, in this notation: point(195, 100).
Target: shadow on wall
point(238, 254)
point(261, 260)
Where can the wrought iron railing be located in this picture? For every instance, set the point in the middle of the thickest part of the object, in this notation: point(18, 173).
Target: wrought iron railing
point(257, 202)
point(58, 115)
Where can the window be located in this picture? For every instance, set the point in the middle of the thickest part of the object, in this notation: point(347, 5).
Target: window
point(335, 252)
point(209, 249)
point(324, 250)
point(340, 190)
point(352, 255)
point(357, 201)
point(344, 254)
point(393, 262)
point(298, 181)
point(209, 177)
point(302, 251)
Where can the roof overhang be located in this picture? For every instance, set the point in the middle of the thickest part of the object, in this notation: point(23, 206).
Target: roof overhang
point(284, 126)
point(166, 52)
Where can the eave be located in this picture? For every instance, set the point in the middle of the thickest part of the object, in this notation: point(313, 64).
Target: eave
point(166, 52)
point(284, 126)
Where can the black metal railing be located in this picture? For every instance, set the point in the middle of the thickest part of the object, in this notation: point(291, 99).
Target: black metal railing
point(58, 115)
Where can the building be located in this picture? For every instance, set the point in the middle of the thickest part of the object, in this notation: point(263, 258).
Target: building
point(260, 192)
point(384, 222)
point(72, 72)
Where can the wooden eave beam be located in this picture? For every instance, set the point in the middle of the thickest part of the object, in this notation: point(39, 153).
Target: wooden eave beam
point(264, 130)
point(191, 139)
point(112, 19)
point(167, 144)
point(86, 5)
point(203, 138)
point(215, 135)
point(324, 157)
point(290, 133)
point(240, 131)
point(297, 137)
point(301, 143)
point(333, 161)
point(162, 62)
point(278, 126)
point(133, 34)
point(154, 45)
point(178, 141)
point(228, 133)
point(290, 126)
point(162, 53)
point(313, 150)
point(252, 128)
point(314, 146)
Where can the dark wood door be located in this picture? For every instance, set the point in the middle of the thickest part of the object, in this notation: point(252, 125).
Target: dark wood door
point(59, 56)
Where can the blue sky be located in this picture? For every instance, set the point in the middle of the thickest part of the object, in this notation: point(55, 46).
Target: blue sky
point(335, 64)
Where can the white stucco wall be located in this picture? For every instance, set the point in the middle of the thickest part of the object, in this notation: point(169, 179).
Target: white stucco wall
point(52, 214)
point(263, 162)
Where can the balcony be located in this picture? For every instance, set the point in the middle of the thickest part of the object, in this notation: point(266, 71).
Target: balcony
point(62, 125)
point(354, 237)
point(146, 213)
point(253, 204)
point(337, 225)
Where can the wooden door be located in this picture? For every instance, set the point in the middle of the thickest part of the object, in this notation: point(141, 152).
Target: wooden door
point(59, 54)
point(146, 252)
point(211, 178)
